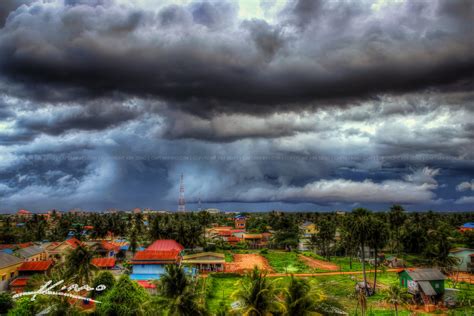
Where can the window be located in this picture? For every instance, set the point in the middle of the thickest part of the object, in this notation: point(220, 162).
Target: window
point(437, 285)
point(4, 277)
point(12, 274)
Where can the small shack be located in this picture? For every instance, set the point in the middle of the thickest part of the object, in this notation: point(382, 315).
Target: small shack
point(427, 285)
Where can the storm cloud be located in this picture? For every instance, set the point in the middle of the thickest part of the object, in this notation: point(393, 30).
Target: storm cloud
point(202, 58)
point(298, 105)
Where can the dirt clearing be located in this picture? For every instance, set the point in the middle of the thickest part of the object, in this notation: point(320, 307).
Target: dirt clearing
point(246, 262)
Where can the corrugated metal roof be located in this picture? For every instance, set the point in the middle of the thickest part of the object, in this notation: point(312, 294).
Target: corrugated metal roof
point(426, 274)
point(427, 288)
point(7, 260)
point(29, 251)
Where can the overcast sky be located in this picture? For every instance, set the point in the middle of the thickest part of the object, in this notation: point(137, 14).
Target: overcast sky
point(298, 105)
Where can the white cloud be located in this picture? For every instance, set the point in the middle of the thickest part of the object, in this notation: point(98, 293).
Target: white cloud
point(465, 186)
point(465, 200)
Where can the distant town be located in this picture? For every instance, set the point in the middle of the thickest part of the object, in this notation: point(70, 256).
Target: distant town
point(212, 262)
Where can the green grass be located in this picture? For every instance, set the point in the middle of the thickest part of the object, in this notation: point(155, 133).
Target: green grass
point(222, 289)
point(337, 287)
point(286, 262)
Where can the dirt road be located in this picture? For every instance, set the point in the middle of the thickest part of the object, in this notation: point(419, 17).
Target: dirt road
point(318, 264)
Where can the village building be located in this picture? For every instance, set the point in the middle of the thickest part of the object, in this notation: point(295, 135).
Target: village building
point(32, 253)
point(150, 263)
point(105, 248)
point(58, 251)
point(240, 221)
point(9, 265)
point(205, 261)
point(24, 214)
point(307, 230)
point(465, 257)
point(467, 227)
point(427, 285)
point(26, 271)
point(103, 263)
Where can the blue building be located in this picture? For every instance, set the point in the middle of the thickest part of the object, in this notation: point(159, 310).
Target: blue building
point(150, 263)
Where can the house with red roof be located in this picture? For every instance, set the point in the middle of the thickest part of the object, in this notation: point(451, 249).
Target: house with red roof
point(103, 263)
point(27, 270)
point(57, 251)
point(150, 263)
point(106, 248)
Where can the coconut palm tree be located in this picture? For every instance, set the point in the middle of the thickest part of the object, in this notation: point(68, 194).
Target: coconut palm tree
point(78, 266)
point(178, 294)
point(377, 239)
point(360, 231)
point(300, 299)
point(397, 296)
point(257, 294)
point(173, 282)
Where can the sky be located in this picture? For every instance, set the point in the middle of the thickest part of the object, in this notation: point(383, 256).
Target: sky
point(301, 105)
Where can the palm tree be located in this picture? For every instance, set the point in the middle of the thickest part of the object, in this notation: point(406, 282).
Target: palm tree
point(299, 298)
point(361, 226)
point(377, 240)
point(178, 296)
point(257, 294)
point(185, 305)
point(396, 218)
point(173, 282)
point(397, 296)
point(78, 266)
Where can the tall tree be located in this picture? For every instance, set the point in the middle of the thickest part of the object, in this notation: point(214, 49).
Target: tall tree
point(78, 266)
point(396, 218)
point(361, 226)
point(326, 235)
point(378, 237)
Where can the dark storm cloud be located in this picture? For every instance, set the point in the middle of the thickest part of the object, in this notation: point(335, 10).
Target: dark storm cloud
point(211, 62)
point(93, 117)
point(7, 6)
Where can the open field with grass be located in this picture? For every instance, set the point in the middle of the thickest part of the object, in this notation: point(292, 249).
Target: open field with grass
point(286, 262)
point(334, 287)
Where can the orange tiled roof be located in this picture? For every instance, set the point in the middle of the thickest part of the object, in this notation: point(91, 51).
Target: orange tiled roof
point(103, 262)
point(233, 239)
point(150, 255)
point(23, 212)
point(74, 242)
point(109, 246)
point(20, 282)
point(36, 265)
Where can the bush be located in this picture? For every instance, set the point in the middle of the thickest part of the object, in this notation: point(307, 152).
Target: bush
point(264, 251)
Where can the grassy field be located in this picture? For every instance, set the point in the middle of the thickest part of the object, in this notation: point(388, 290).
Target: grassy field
point(220, 290)
point(335, 287)
point(286, 262)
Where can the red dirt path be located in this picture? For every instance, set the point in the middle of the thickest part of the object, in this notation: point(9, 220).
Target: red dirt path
point(246, 262)
point(319, 264)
